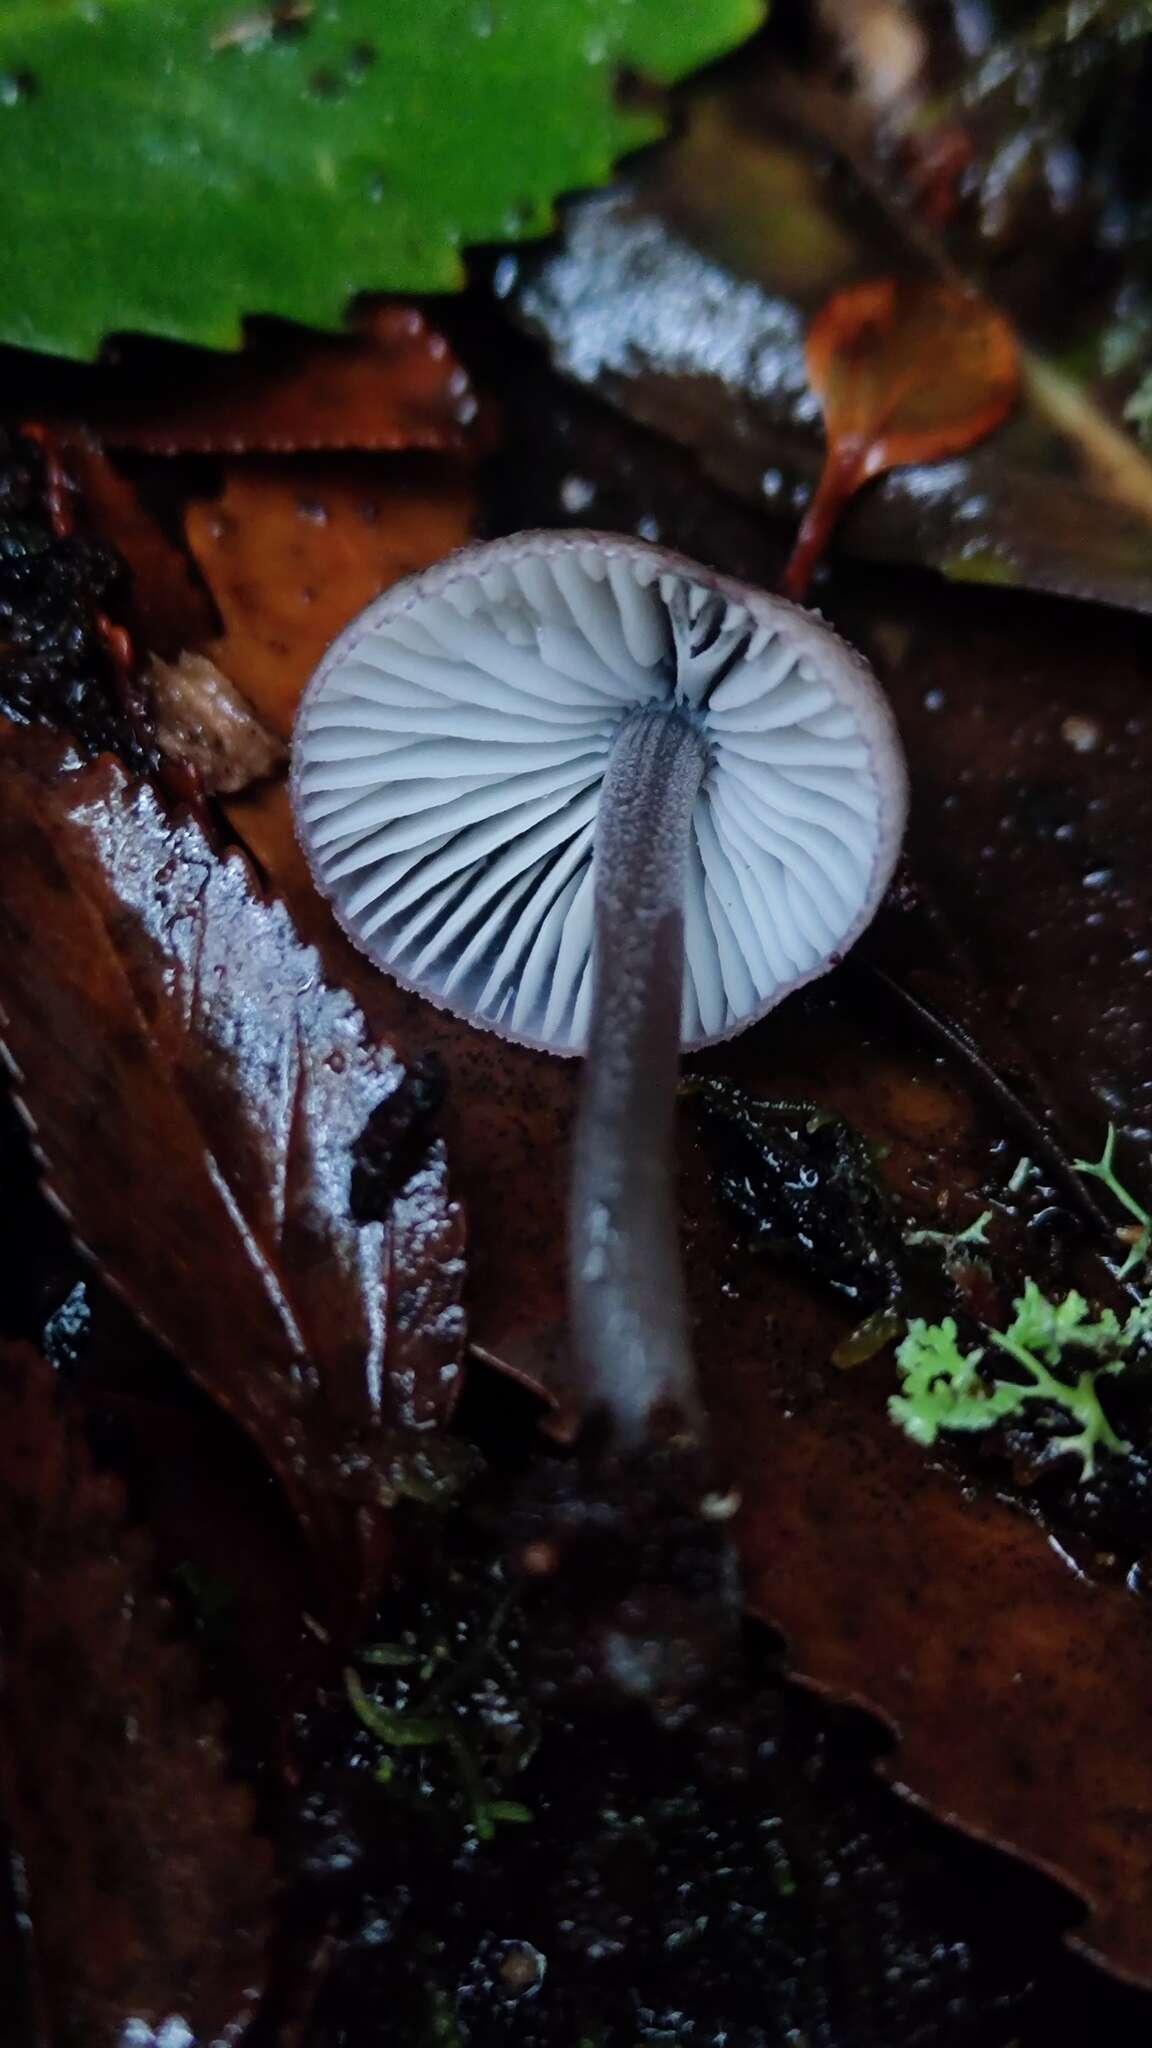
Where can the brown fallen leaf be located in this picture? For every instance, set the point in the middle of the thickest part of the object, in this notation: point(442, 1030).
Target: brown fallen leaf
point(393, 384)
point(906, 371)
point(292, 551)
point(1020, 1694)
point(203, 723)
point(147, 1892)
point(194, 1091)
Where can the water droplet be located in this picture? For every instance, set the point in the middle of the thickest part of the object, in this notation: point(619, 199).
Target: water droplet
point(16, 86)
point(1082, 734)
point(577, 493)
point(505, 275)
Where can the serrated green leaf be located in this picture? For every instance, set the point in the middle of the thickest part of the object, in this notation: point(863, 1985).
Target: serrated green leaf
point(170, 170)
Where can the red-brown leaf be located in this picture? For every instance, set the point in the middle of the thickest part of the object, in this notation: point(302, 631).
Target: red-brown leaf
point(1019, 1693)
point(395, 384)
point(905, 372)
point(148, 1893)
point(194, 1090)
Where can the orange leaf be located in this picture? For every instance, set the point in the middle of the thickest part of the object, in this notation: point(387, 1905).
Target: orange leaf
point(292, 551)
point(905, 372)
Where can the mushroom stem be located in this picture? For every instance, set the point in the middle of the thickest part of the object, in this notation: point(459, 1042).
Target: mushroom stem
point(627, 1298)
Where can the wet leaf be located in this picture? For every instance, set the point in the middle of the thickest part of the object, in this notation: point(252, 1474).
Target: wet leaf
point(217, 161)
point(683, 296)
point(506, 1120)
point(393, 384)
point(147, 1892)
point(292, 551)
point(195, 1090)
point(905, 372)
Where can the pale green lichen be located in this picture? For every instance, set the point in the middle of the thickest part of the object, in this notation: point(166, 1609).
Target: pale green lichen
point(944, 1387)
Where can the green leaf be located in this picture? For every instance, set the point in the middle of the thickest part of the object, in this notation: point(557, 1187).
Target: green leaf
point(170, 170)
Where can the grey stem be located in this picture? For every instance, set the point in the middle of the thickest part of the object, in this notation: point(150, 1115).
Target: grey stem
point(626, 1283)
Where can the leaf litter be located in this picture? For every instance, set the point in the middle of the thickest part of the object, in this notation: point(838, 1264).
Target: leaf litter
point(538, 1129)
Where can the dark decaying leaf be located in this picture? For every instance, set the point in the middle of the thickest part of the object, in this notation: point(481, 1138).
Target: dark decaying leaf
point(803, 1186)
point(394, 384)
point(906, 372)
point(163, 604)
point(146, 1891)
point(194, 1091)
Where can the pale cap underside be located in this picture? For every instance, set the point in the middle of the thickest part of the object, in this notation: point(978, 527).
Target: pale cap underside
point(449, 754)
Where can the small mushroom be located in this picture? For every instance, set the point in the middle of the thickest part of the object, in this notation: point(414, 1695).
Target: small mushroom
point(602, 801)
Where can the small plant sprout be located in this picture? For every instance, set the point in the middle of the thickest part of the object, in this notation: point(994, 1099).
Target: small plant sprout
point(1138, 1234)
point(604, 802)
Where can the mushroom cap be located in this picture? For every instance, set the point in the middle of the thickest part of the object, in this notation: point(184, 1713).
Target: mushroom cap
point(449, 753)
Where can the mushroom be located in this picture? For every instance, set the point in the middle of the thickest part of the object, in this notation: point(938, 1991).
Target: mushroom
point(601, 800)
